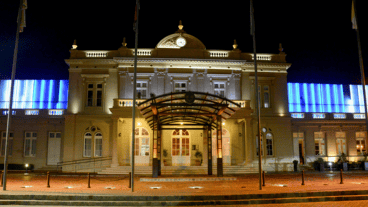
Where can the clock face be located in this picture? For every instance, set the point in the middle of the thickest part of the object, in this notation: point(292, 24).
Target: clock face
point(181, 42)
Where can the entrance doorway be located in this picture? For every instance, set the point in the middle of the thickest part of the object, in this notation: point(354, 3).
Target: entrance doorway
point(180, 148)
point(141, 148)
point(53, 152)
point(226, 157)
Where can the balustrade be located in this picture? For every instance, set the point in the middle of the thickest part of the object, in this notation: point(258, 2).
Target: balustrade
point(96, 54)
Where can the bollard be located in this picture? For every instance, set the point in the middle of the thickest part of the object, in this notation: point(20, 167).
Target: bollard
point(303, 177)
point(2, 181)
point(341, 178)
point(89, 181)
point(263, 178)
point(130, 180)
point(48, 179)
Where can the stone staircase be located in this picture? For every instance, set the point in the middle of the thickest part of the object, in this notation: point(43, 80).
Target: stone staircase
point(180, 170)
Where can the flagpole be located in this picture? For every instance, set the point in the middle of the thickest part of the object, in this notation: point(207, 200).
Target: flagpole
point(257, 96)
point(10, 109)
point(361, 66)
point(134, 90)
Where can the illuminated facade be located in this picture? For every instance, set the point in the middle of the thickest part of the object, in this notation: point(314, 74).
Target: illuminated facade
point(37, 128)
point(89, 117)
point(328, 120)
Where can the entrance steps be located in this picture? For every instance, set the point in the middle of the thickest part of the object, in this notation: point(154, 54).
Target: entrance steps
point(180, 170)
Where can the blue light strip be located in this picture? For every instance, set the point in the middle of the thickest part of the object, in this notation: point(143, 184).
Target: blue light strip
point(325, 98)
point(305, 97)
point(290, 96)
point(35, 94)
point(312, 92)
point(297, 92)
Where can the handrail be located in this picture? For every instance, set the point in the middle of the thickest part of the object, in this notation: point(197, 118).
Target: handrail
point(90, 158)
point(81, 161)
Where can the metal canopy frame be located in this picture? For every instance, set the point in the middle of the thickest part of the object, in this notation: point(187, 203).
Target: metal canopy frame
point(187, 109)
point(173, 109)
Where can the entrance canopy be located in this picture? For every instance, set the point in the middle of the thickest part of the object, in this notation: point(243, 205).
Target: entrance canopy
point(187, 108)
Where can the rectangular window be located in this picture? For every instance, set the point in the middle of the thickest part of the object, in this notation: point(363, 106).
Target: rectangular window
point(339, 116)
point(184, 146)
point(54, 112)
point(30, 144)
point(87, 147)
point(269, 146)
point(98, 145)
point(10, 143)
point(266, 96)
point(31, 112)
point(176, 147)
point(94, 94)
point(145, 147)
point(341, 143)
point(6, 112)
point(319, 143)
point(298, 135)
point(297, 115)
point(180, 86)
point(219, 88)
point(361, 142)
point(359, 116)
point(319, 116)
point(142, 89)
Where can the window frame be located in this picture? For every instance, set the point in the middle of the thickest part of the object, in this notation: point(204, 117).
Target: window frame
point(96, 137)
point(33, 140)
point(84, 144)
point(180, 137)
point(342, 141)
point(321, 145)
point(272, 144)
point(217, 91)
point(262, 92)
point(180, 89)
point(141, 88)
point(360, 139)
point(264, 96)
point(10, 143)
point(95, 91)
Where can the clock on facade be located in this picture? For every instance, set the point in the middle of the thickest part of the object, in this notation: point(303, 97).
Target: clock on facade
point(181, 41)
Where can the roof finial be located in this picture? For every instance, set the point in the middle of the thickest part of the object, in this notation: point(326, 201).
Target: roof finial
point(124, 42)
point(280, 48)
point(180, 25)
point(235, 46)
point(75, 45)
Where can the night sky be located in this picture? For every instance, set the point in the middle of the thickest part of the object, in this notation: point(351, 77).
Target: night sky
point(317, 36)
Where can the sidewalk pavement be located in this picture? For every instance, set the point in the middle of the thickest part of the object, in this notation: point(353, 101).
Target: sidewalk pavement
point(275, 183)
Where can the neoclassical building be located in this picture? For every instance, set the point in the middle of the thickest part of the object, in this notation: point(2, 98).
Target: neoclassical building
point(195, 113)
point(101, 92)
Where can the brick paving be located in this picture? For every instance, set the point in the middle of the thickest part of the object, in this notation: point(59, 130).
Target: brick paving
point(36, 183)
point(245, 184)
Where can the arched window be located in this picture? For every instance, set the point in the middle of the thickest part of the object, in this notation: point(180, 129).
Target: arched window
point(98, 144)
point(87, 144)
point(269, 144)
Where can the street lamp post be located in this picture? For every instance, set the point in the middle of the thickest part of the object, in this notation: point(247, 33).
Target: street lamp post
point(26, 165)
